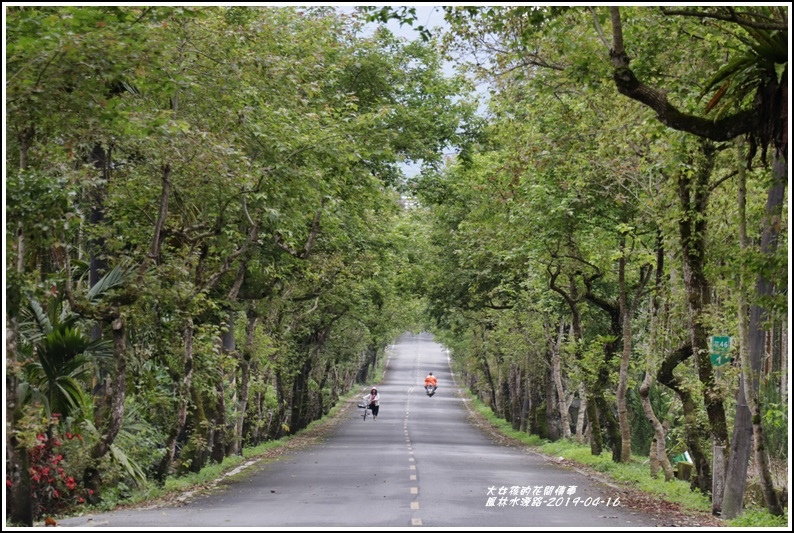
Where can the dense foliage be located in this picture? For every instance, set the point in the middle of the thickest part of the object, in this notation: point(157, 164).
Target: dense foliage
point(204, 240)
point(208, 242)
point(621, 222)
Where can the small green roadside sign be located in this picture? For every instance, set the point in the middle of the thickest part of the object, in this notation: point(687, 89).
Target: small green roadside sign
point(720, 346)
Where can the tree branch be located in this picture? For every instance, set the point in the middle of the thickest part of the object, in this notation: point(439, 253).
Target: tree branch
point(724, 129)
point(252, 233)
point(732, 17)
point(598, 28)
point(723, 180)
point(307, 248)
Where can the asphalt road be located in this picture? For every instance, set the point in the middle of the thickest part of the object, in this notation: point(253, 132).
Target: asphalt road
point(419, 464)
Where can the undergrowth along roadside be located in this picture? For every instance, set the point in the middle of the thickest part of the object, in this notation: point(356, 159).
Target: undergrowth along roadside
point(634, 474)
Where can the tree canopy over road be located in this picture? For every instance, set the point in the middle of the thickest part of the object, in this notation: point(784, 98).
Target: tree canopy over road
point(210, 238)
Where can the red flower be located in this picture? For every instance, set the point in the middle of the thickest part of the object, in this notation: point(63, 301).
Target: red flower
point(8, 482)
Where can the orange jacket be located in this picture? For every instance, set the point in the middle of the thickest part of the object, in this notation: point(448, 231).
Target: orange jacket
point(431, 380)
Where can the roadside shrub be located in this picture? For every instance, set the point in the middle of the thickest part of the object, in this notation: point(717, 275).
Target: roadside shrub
point(758, 518)
point(55, 489)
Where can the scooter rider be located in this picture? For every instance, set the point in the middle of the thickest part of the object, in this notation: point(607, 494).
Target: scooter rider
point(431, 381)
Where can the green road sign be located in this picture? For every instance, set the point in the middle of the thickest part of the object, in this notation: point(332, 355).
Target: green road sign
point(720, 346)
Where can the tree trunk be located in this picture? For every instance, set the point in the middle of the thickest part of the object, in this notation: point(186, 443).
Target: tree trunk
point(571, 297)
point(605, 411)
point(693, 192)
point(659, 451)
point(659, 447)
point(491, 387)
point(242, 406)
point(96, 246)
point(736, 477)
point(625, 313)
point(594, 427)
point(580, 419)
point(784, 367)
point(323, 381)
point(746, 357)
point(300, 395)
point(515, 396)
point(245, 381)
point(219, 438)
point(604, 379)
point(505, 403)
point(281, 409)
point(227, 445)
point(738, 459)
point(556, 371)
point(736, 481)
point(200, 434)
point(111, 423)
point(523, 427)
point(692, 430)
point(20, 508)
point(552, 412)
point(525, 400)
point(184, 388)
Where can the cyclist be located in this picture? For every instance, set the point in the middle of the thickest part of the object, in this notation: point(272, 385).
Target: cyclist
point(431, 381)
point(373, 401)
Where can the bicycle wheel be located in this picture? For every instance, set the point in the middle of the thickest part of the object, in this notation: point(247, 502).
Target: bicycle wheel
point(364, 416)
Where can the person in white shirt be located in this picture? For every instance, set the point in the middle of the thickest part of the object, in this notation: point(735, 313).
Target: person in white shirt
point(373, 401)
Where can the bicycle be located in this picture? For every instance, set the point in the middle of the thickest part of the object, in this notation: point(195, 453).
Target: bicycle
point(366, 409)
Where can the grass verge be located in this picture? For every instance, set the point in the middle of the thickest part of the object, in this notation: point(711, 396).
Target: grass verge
point(635, 474)
point(182, 487)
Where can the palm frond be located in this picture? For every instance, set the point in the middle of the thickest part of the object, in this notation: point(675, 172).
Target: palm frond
point(115, 278)
point(32, 395)
point(39, 316)
point(112, 279)
point(735, 66)
point(70, 399)
point(100, 349)
point(80, 270)
point(130, 466)
point(62, 345)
